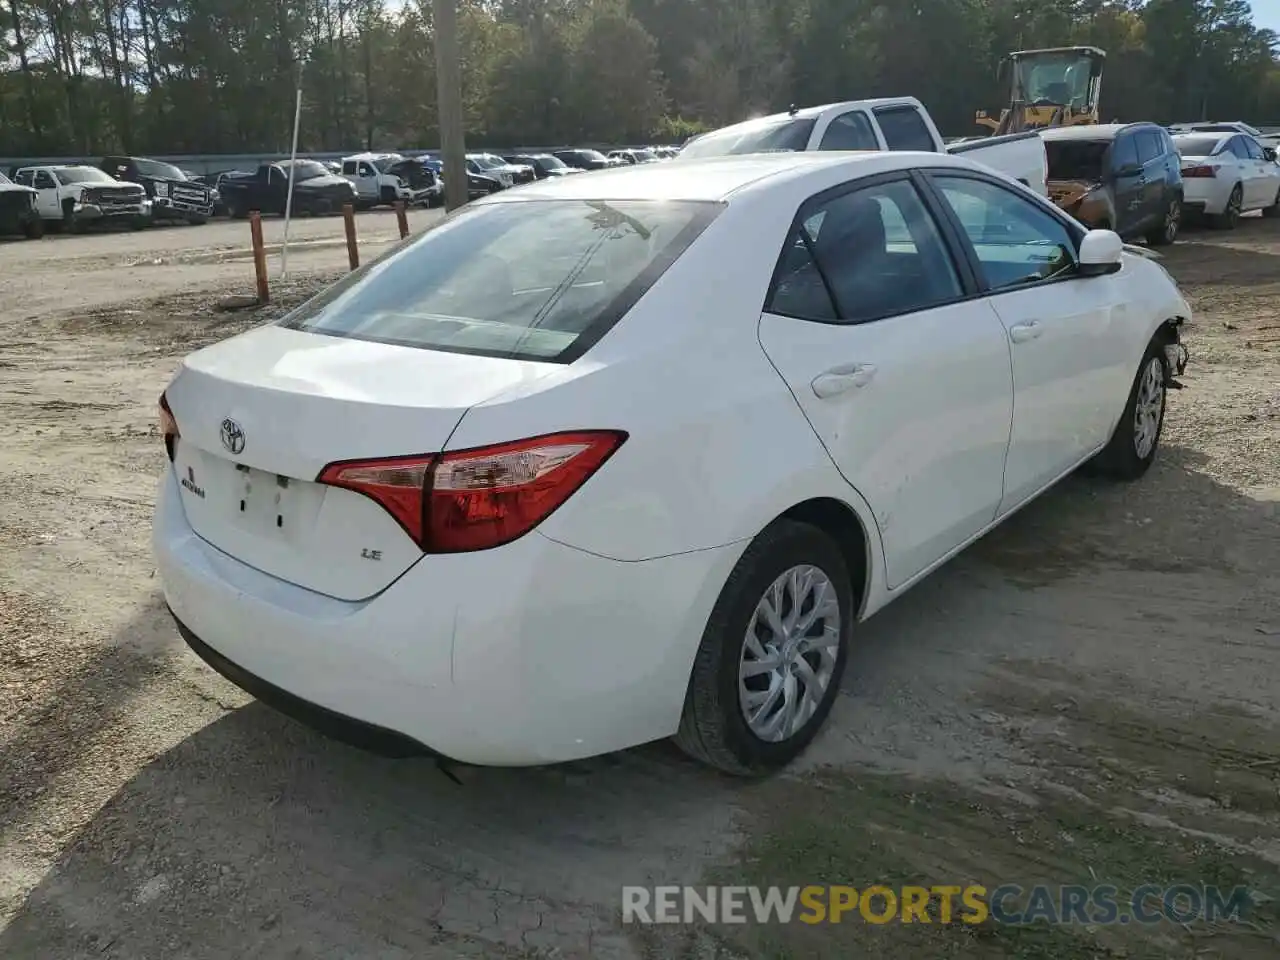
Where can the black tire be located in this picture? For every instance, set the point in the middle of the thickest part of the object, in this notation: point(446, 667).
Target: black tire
point(197, 221)
point(1167, 231)
point(33, 229)
point(1123, 457)
point(1274, 209)
point(237, 210)
point(1230, 216)
point(139, 223)
point(387, 195)
point(70, 224)
point(712, 726)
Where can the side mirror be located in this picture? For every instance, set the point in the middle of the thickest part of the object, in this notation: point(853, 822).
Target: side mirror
point(1101, 253)
point(1269, 153)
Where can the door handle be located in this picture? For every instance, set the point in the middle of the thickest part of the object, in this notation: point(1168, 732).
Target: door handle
point(1022, 332)
point(839, 379)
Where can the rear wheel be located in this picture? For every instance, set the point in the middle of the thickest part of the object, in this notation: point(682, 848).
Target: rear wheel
point(1133, 446)
point(1167, 232)
point(34, 228)
point(1274, 209)
point(772, 654)
point(1230, 215)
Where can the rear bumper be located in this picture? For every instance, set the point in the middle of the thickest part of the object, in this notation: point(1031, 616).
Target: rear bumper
point(1204, 195)
point(526, 654)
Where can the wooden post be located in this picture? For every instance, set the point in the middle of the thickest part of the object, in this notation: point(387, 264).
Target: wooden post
point(349, 221)
point(259, 255)
point(402, 218)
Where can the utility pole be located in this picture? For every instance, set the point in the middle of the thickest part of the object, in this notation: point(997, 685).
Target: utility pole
point(449, 88)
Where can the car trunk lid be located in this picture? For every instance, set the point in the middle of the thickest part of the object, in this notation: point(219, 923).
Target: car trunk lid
point(261, 415)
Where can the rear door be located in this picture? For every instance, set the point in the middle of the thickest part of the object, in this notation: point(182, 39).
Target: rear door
point(904, 379)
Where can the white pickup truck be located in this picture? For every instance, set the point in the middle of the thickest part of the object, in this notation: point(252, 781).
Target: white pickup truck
point(375, 181)
point(77, 195)
point(891, 123)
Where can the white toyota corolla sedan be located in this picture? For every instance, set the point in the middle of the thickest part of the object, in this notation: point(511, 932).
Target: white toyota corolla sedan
point(622, 457)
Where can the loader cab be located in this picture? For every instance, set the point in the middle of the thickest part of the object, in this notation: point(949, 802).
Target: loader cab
point(1055, 87)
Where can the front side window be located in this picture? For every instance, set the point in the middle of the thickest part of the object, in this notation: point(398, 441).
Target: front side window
point(1255, 151)
point(1124, 154)
point(871, 253)
point(904, 129)
point(523, 280)
point(850, 131)
point(1149, 146)
point(1015, 241)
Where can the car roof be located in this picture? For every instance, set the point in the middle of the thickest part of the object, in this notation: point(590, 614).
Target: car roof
point(715, 178)
point(1094, 131)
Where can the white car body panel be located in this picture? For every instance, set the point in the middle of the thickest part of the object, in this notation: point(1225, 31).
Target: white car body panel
point(1258, 179)
point(578, 637)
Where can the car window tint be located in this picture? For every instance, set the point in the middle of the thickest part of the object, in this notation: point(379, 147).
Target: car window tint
point(44, 180)
point(519, 280)
point(875, 252)
point(1016, 242)
point(850, 131)
point(1238, 149)
point(1148, 146)
point(1255, 151)
point(1124, 153)
point(904, 129)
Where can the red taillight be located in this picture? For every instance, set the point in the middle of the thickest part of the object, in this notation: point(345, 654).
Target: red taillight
point(479, 498)
point(168, 427)
point(1203, 170)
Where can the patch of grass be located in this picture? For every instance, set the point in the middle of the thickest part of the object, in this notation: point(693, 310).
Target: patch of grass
point(860, 830)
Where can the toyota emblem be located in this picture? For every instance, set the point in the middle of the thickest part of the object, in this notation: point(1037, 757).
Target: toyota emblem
point(232, 436)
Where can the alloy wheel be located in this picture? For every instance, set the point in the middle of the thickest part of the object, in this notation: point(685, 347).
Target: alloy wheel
point(789, 653)
point(1148, 408)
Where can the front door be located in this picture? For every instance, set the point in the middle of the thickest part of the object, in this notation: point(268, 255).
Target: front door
point(906, 382)
point(49, 202)
point(1128, 186)
point(1068, 373)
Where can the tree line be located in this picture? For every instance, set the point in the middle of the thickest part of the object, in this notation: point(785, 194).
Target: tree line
point(90, 77)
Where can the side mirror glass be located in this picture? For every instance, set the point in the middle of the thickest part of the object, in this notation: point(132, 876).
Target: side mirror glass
point(1269, 153)
point(1101, 253)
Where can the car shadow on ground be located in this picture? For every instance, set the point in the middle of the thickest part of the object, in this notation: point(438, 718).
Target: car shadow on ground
point(255, 837)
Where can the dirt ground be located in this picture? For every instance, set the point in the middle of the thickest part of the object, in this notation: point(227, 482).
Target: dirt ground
point(1089, 695)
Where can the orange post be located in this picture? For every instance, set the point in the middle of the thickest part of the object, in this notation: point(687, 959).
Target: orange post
point(349, 221)
point(402, 218)
point(259, 255)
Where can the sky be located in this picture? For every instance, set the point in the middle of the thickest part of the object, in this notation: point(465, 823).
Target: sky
point(1266, 14)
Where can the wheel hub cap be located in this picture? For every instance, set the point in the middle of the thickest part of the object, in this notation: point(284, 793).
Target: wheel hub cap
point(789, 653)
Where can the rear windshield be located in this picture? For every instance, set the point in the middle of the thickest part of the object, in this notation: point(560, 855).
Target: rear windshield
point(1196, 146)
point(787, 135)
point(1076, 159)
point(529, 280)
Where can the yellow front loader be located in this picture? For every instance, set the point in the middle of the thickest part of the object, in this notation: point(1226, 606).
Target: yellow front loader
point(1056, 87)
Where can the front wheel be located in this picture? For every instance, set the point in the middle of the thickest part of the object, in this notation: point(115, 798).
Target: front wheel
point(772, 654)
point(1167, 232)
point(1132, 448)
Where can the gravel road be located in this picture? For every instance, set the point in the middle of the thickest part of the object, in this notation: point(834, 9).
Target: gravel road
point(1116, 646)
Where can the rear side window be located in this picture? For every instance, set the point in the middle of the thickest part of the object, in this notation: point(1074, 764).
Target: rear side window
point(850, 131)
point(531, 280)
point(904, 129)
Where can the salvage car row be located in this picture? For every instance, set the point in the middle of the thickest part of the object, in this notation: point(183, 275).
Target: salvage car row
point(136, 192)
